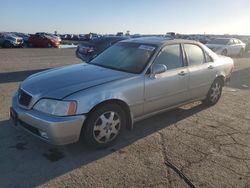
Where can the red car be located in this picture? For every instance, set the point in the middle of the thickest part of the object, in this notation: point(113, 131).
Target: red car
point(43, 41)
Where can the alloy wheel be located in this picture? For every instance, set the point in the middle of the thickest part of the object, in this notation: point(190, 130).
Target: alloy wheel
point(107, 127)
point(216, 92)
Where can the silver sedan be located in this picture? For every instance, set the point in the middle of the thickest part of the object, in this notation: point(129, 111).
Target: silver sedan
point(227, 46)
point(129, 81)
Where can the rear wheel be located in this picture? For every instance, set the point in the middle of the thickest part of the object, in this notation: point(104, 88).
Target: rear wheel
point(7, 44)
point(104, 125)
point(214, 92)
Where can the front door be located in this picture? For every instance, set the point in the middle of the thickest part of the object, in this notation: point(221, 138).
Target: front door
point(169, 88)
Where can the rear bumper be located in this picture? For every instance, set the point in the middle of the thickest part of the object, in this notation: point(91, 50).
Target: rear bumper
point(17, 44)
point(52, 129)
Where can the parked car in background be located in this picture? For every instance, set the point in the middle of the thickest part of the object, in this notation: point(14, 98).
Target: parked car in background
point(227, 46)
point(130, 81)
point(9, 40)
point(89, 49)
point(25, 38)
point(119, 34)
point(39, 40)
point(91, 36)
point(58, 38)
point(248, 45)
point(1, 40)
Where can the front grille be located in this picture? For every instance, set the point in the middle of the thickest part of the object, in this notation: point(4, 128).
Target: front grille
point(19, 40)
point(24, 98)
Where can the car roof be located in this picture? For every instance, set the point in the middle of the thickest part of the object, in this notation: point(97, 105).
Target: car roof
point(158, 41)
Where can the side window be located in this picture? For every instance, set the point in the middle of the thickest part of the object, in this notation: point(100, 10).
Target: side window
point(231, 42)
point(195, 55)
point(237, 41)
point(171, 57)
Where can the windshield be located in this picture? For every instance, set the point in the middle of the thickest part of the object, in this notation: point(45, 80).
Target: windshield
point(127, 57)
point(219, 41)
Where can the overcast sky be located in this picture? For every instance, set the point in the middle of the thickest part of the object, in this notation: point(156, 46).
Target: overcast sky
point(138, 16)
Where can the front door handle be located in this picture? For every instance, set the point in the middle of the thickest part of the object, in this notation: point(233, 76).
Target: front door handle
point(210, 66)
point(182, 73)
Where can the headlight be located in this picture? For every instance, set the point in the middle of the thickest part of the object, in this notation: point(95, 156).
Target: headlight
point(56, 107)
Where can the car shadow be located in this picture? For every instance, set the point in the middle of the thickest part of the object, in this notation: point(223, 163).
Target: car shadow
point(240, 79)
point(25, 156)
point(17, 76)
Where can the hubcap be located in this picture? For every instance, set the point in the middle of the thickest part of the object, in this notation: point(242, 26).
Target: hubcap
point(107, 127)
point(216, 90)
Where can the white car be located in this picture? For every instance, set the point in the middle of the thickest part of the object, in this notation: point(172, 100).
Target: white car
point(227, 46)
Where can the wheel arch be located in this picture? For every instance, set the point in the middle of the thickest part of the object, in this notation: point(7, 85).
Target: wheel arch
point(222, 78)
point(122, 104)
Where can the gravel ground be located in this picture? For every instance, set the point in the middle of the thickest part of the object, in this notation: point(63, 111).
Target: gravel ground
point(192, 146)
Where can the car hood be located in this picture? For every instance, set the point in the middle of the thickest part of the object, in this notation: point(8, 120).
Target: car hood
point(61, 82)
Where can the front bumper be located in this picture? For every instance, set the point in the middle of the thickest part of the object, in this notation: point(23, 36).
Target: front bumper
point(18, 44)
point(52, 129)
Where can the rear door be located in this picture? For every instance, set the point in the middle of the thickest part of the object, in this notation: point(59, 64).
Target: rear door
point(233, 47)
point(168, 88)
point(201, 71)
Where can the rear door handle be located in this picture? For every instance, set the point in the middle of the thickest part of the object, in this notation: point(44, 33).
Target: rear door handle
point(182, 73)
point(210, 66)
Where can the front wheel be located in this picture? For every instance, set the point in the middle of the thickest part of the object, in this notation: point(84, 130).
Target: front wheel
point(241, 53)
point(7, 44)
point(49, 45)
point(224, 52)
point(104, 125)
point(214, 92)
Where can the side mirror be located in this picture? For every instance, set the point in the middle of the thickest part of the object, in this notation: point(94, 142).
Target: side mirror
point(158, 69)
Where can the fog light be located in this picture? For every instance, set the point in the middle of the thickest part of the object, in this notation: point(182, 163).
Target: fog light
point(43, 134)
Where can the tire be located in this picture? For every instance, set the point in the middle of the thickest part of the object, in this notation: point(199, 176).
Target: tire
point(214, 92)
point(224, 52)
point(104, 125)
point(25, 45)
point(7, 44)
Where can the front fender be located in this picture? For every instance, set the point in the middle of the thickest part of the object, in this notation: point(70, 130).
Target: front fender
point(129, 91)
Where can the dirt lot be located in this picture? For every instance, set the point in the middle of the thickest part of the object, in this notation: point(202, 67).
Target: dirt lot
point(192, 146)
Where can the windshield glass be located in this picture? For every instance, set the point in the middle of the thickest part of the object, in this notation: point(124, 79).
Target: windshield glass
point(219, 41)
point(127, 57)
